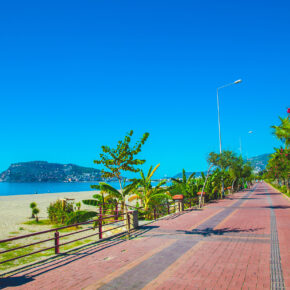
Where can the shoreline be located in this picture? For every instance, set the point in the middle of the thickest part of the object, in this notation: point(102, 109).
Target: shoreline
point(15, 209)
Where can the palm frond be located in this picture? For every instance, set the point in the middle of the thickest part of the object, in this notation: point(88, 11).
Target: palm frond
point(183, 176)
point(95, 186)
point(110, 190)
point(153, 171)
point(191, 175)
point(130, 187)
point(92, 202)
point(162, 182)
point(149, 172)
point(80, 216)
point(176, 180)
point(133, 197)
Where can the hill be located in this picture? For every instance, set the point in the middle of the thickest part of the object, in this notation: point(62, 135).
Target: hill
point(258, 162)
point(42, 171)
point(179, 175)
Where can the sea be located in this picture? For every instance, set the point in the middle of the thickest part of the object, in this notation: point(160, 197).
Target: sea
point(7, 188)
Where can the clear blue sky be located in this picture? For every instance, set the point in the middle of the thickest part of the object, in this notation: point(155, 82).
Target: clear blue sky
point(76, 75)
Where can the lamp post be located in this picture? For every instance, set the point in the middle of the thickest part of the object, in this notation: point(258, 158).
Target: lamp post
point(241, 151)
point(219, 121)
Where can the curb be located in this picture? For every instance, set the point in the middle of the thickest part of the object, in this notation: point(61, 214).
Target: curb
point(283, 194)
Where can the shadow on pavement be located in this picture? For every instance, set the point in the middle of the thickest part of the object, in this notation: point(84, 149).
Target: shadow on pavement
point(210, 231)
point(14, 281)
point(26, 274)
point(277, 206)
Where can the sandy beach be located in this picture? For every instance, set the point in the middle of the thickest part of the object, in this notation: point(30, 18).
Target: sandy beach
point(15, 210)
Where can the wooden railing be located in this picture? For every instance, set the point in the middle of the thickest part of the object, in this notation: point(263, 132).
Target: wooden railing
point(57, 237)
point(99, 223)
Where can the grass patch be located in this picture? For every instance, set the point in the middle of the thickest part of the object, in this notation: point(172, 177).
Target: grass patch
point(20, 252)
point(32, 258)
point(75, 244)
point(67, 230)
point(14, 233)
point(53, 226)
point(39, 223)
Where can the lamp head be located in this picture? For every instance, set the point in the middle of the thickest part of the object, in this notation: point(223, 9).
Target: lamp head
point(238, 81)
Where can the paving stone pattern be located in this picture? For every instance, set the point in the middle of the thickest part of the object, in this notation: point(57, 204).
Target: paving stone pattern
point(277, 280)
point(241, 242)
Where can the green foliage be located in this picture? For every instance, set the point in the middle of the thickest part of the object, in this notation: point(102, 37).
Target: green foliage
point(232, 170)
point(80, 216)
point(116, 195)
point(59, 212)
point(148, 195)
point(35, 212)
point(118, 160)
point(278, 166)
point(282, 131)
point(188, 187)
point(282, 188)
point(78, 206)
point(32, 206)
point(41, 222)
point(121, 158)
point(223, 160)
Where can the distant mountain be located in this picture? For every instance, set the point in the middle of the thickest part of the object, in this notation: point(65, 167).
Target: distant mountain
point(259, 162)
point(42, 171)
point(179, 175)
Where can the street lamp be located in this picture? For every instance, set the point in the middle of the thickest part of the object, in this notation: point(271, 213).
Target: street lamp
point(219, 121)
point(250, 132)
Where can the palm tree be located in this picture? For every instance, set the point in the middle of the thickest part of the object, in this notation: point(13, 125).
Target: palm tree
point(112, 194)
point(282, 132)
point(147, 194)
point(35, 213)
point(186, 186)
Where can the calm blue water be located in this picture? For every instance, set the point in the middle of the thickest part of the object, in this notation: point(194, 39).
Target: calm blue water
point(31, 188)
point(7, 188)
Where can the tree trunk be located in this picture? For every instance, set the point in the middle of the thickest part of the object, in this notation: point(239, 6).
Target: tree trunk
point(204, 185)
point(125, 209)
point(233, 184)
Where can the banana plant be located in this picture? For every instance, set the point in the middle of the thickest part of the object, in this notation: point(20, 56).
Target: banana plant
point(188, 187)
point(148, 194)
point(99, 200)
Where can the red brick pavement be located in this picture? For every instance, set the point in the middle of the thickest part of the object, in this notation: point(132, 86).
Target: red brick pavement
point(234, 254)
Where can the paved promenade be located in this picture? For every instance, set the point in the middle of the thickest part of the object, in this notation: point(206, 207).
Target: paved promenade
point(242, 242)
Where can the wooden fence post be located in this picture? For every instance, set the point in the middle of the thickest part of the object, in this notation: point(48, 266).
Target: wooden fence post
point(100, 227)
point(56, 242)
point(116, 213)
point(155, 216)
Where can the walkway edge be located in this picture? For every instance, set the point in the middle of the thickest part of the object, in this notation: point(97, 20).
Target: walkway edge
point(283, 194)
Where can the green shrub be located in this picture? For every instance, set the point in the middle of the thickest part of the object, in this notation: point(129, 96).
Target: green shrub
point(33, 206)
point(59, 211)
point(284, 189)
point(35, 212)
